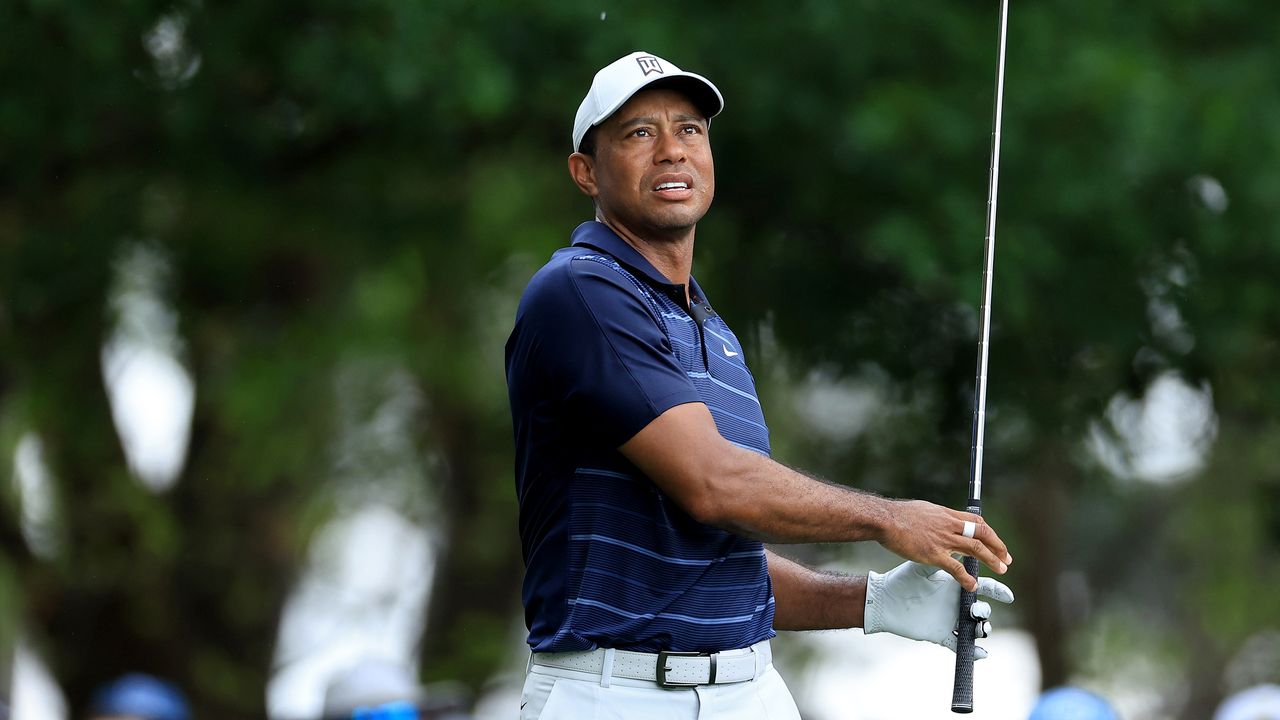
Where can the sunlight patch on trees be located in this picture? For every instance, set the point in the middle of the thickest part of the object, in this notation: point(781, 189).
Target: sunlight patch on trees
point(1257, 661)
point(885, 678)
point(1210, 192)
point(35, 492)
point(35, 692)
point(174, 61)
point(362, 594)
point(1162, 437)
point(152, 395)
point(840, 409)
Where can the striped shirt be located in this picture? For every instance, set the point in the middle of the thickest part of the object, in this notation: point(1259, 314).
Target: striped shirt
point(602, 345)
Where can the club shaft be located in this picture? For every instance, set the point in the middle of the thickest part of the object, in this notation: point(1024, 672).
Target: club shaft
point(988, 263)
point(962, 690)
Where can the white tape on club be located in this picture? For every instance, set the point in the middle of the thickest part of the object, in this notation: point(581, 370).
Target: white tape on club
point(970, 527)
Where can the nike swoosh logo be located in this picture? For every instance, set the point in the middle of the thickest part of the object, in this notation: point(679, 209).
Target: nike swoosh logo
point(727, 351)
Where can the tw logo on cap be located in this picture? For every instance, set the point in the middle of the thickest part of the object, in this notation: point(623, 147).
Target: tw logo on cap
point(649, 64)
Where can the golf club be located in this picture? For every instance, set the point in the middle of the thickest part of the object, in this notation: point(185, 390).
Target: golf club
point(966, 628)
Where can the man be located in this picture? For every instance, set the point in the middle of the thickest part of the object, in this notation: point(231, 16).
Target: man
point(642, 455)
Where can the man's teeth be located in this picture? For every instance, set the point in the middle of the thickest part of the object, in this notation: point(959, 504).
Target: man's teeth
point(672, 185)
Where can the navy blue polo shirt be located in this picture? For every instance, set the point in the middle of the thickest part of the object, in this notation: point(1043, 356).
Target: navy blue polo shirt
point(603, 344)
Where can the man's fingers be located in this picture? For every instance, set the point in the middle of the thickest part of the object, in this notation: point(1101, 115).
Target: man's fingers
point(926, 530)
point(976, 548)
point(979, 652)
point(955, 569)
point(994, 589)
point(986, 535)
point(987, 545)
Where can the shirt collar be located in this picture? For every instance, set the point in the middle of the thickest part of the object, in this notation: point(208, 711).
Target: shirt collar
point(595, 234)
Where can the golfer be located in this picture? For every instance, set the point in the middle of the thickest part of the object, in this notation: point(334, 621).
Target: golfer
point(642, 456)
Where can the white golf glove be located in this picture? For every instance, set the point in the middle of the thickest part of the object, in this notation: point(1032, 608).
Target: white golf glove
point(920, 601)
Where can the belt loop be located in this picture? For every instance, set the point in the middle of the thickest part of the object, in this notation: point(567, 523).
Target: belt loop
point(606, 672)
point(529, 664)
point(758, 657)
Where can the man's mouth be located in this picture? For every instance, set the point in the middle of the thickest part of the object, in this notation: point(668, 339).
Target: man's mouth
point(673, 189)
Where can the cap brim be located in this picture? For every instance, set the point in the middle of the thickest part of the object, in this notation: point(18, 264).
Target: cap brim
point(703, 95)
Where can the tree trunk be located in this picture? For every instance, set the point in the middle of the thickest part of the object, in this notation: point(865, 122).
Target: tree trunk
point(1041, 506)
point(476, 588)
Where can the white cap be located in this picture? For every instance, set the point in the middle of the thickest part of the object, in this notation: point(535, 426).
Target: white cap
point(618, 81)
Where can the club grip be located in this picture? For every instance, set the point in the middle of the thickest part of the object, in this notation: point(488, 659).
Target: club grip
point(966, 629)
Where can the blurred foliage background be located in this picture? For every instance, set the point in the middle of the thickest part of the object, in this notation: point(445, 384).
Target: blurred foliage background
point(320, 210)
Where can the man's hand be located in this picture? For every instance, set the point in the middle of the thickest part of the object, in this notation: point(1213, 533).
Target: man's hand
point(919, 602)
point(933, 535)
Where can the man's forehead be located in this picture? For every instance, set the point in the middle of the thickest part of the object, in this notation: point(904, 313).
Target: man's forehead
point(656, 103)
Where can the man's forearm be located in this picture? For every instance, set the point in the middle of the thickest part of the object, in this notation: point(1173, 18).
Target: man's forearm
point(807, 599)
point(760, 498)
point(745, 492)
point(748, 494)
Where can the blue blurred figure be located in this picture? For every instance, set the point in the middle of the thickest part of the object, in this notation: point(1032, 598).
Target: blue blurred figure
point(139, 697)
point(387, 711)
point(375, 689)
point(1071, 703)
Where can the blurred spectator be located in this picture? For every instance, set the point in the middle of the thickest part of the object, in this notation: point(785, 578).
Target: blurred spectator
point(384, 690)
point(1071, 703)
point(138, 697)
point(1260, 702)
point(370, 684)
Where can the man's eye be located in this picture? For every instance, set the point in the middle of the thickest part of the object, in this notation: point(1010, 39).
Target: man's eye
point(642, 132)
point(691, 129)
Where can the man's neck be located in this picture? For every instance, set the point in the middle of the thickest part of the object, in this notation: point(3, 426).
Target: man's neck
point(672, 256)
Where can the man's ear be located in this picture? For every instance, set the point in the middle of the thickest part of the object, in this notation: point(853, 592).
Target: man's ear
point(582, 168)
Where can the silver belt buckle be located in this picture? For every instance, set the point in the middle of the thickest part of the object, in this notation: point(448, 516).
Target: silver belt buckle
point(662, 669)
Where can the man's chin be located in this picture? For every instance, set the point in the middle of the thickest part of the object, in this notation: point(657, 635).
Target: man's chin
point(677, 222)
point(658, 224)
point(670, 232)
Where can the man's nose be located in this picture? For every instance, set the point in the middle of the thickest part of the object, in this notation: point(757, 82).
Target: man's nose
point(669, 149)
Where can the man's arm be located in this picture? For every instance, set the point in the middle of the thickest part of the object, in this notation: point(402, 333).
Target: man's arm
point(721, 484)
point(807, 599)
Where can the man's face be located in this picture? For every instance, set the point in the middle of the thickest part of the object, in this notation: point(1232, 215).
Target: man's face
point(653, 173)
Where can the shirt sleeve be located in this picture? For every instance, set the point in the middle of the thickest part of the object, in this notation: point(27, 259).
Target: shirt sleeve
point(604, 353)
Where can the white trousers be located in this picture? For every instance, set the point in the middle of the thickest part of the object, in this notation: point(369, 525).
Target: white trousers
point(555, 694)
